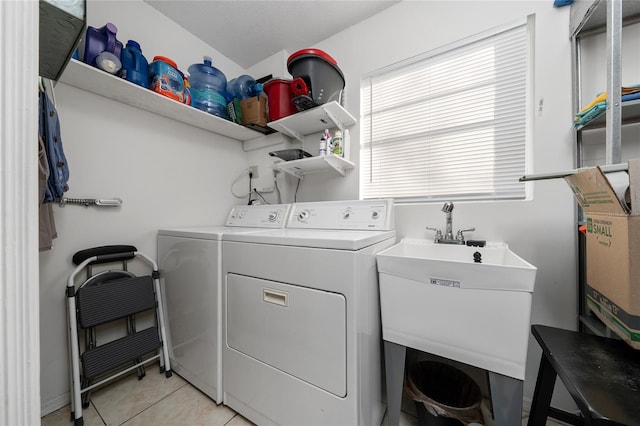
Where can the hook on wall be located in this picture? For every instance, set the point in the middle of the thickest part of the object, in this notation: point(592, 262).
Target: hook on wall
point(104, 202)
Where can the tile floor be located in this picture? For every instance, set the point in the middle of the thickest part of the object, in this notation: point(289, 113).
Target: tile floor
point(156, 400)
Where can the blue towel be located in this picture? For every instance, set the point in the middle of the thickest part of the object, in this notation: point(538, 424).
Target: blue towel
point(595, 111)
point(588, 115)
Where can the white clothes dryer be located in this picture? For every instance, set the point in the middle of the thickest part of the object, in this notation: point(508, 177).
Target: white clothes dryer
point(190, 262)
point(301, 316)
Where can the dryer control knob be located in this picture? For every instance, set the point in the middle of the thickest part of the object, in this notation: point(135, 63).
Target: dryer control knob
point(375, 215)
point(303, 216)
point(273, 216)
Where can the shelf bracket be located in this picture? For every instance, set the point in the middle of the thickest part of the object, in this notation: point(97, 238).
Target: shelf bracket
point(330, 160)
point(334, 119)
point(293, 171)
point(293, 133)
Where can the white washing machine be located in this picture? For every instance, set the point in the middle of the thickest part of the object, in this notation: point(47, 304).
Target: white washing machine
point(301, 316)
point(190, 261)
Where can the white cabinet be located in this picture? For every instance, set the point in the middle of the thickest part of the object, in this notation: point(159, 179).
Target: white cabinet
point(315, 120)
point(85, 77)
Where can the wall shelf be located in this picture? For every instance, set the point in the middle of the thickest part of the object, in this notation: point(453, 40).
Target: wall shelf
point(85, 77)
point(314, 120)
point(299, 168)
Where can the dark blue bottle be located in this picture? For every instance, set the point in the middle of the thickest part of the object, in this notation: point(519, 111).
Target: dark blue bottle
point(135, 67)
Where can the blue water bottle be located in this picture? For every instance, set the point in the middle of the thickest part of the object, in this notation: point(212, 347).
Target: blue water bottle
point(208, 88)
point(244, 87)
point(135, 67)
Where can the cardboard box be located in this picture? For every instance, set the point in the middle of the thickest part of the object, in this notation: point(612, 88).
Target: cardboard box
point(254, 110)
point(613, 247)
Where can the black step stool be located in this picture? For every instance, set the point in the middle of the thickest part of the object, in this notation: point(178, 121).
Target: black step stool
point(601, 374)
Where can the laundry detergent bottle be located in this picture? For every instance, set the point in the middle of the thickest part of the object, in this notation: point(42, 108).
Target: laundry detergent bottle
point(135, 67)
point(208, 88)
point(99, 40)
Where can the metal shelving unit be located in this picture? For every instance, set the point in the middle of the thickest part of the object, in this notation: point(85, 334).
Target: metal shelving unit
point(591, 17)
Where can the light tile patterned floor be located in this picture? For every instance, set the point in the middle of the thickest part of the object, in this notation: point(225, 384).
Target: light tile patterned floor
point(157, 401)
point(154, 400)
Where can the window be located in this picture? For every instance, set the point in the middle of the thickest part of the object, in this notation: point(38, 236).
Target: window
point(449, 124)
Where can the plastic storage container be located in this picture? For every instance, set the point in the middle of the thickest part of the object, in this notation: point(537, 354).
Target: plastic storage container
point(317, 78)
point(135, 67)
point(166, 79)
point(279, 95)
point(208, 88)
point(100, 40)
point(243, 87)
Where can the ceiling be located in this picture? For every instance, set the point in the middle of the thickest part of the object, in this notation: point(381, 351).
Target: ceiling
point(248, 31)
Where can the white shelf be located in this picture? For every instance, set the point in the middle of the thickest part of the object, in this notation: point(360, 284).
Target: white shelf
point(85, 77)
point(326, 116)
point(299, 168)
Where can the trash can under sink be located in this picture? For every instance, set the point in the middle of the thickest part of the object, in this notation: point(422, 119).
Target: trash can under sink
point(444, 395)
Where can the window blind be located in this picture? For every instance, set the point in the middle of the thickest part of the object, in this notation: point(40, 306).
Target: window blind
point(450, 124)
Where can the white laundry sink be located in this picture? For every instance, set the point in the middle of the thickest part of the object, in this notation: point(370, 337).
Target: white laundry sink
point(436, 298)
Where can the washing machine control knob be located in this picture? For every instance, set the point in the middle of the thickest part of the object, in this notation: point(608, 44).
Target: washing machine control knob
point(375, 215)
point(303, 216)
point(347, 215)
point(273, 216)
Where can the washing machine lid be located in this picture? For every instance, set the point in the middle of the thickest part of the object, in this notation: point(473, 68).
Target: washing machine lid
point(315, 238)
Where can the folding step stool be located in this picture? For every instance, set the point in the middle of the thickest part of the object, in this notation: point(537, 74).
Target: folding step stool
point(108, 296)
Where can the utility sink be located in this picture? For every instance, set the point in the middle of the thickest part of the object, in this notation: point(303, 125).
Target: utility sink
point(470, 304)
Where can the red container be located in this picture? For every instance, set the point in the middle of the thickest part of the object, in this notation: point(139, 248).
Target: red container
point(279, 95)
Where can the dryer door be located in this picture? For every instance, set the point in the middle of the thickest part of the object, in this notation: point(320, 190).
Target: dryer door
point(297, 330)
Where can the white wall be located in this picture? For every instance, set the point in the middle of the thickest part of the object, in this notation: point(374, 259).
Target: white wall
point(171, 174)
point(166, 172)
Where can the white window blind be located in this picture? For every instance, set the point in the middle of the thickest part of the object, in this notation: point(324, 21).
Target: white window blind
point(450, 124)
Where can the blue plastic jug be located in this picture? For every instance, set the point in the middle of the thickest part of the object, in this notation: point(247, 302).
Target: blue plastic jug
point(135, 67)
point(243, 87)
point(208, 88)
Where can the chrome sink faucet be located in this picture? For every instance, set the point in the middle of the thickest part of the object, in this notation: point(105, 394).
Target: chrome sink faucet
point(448, 237)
